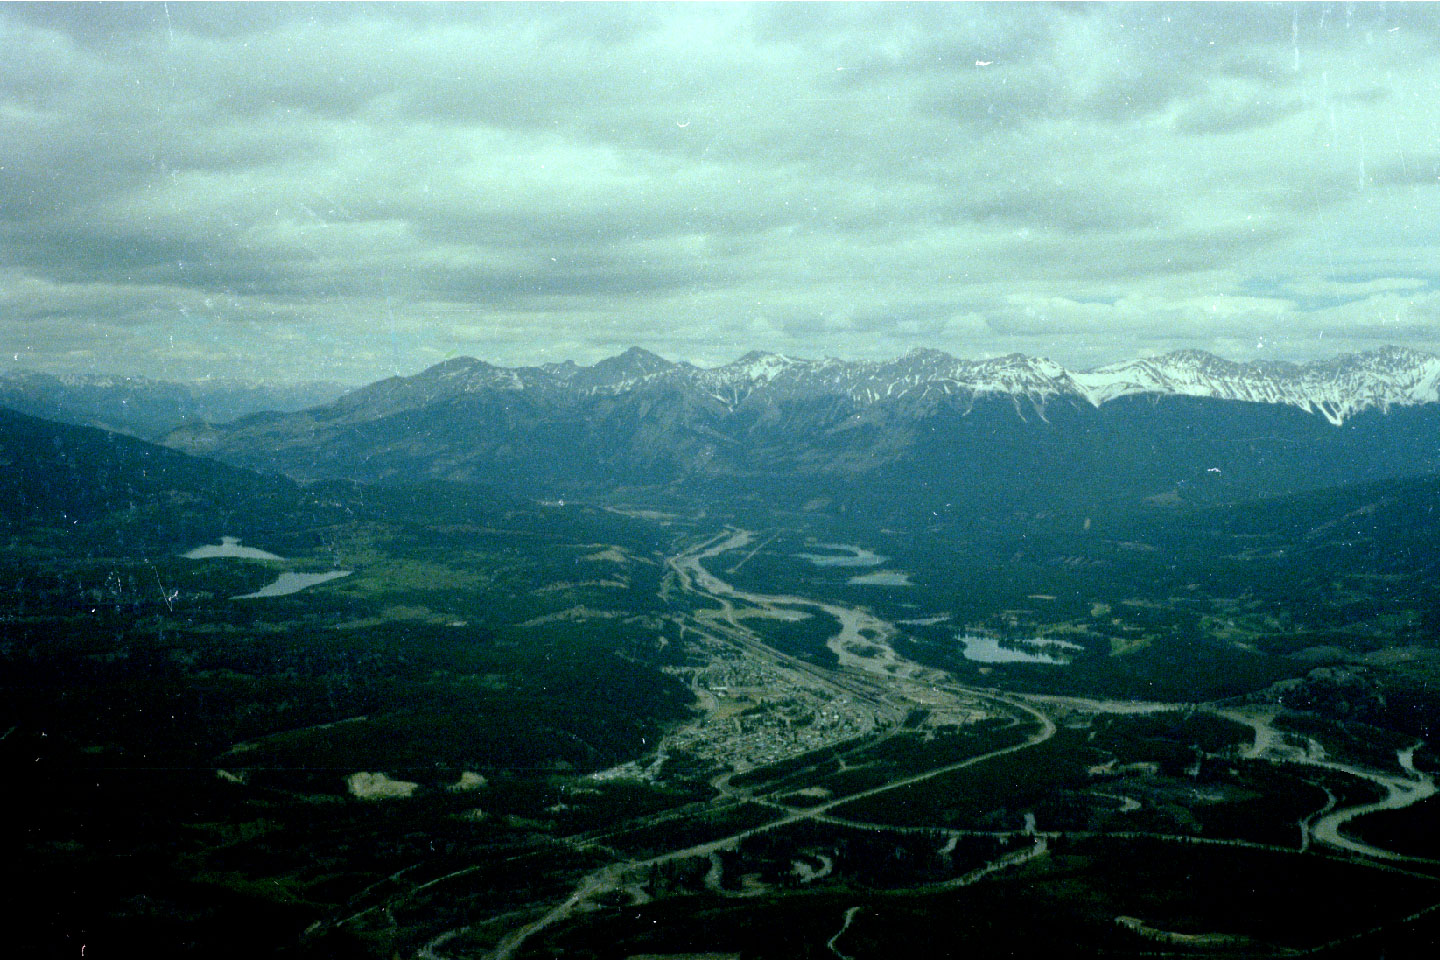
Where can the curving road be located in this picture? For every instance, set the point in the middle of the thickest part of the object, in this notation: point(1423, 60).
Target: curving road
point(695, 579)
point(872, 671)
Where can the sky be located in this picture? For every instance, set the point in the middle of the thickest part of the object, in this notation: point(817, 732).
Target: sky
point(346, 192)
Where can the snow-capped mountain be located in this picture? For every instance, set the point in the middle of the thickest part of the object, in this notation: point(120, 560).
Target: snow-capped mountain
point(1000, 431)
point(1335, 389)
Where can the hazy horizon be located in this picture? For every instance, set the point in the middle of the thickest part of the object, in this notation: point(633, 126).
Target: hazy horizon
point(295, 193)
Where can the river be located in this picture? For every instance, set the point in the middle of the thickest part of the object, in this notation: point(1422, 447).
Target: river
point(863, 640)
point(857, 628)
point(1400, 791)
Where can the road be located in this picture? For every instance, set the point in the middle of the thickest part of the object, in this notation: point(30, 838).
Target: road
point(873, 673)
point(856, 676)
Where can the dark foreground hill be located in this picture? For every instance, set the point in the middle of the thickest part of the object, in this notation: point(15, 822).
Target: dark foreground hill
point(94, 486)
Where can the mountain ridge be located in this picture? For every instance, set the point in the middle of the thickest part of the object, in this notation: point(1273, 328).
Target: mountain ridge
point(1337, 388)
point(992, 431)
point(150, 408)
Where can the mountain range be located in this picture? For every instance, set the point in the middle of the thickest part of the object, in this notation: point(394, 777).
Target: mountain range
point(1008, 430)
point(150, 408)
point(1336, 389)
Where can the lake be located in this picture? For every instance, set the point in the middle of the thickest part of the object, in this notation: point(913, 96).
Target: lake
point(288, 583)
point(882, 578)
point(230, 547)
point(988, 650)
point(851, 557)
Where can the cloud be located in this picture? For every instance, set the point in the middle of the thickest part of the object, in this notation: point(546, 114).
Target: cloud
point(1354, 289)
point(1235, 112)
point(372, 186)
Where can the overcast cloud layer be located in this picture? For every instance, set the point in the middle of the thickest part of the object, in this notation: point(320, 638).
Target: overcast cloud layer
point(350, 191)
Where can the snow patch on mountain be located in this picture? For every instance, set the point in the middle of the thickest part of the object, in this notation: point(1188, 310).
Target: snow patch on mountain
point(1335, 389)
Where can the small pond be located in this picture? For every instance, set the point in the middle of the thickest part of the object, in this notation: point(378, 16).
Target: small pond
point(882, 578)
point(988, 650)
point(288, 583)
point(230, 547)
point(848, 557)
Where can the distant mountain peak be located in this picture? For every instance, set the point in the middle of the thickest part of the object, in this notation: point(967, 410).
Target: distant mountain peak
point(928, 353)
point(636, 358)
point(623, 370)
point(760, 365)
point(457, 366)
point(1398, 352)
point(1336, 388)
point(1191, 356)
point(151, 408)
point(758, 356)
point(643, 356)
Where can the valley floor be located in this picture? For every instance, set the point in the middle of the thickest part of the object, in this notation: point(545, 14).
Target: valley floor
point(521, 731)
point(874, 696)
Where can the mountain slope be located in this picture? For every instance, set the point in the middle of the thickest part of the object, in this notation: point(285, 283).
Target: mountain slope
point(1336, 389)
point(105, 490)
point(150, 408)
point(1006, 429)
